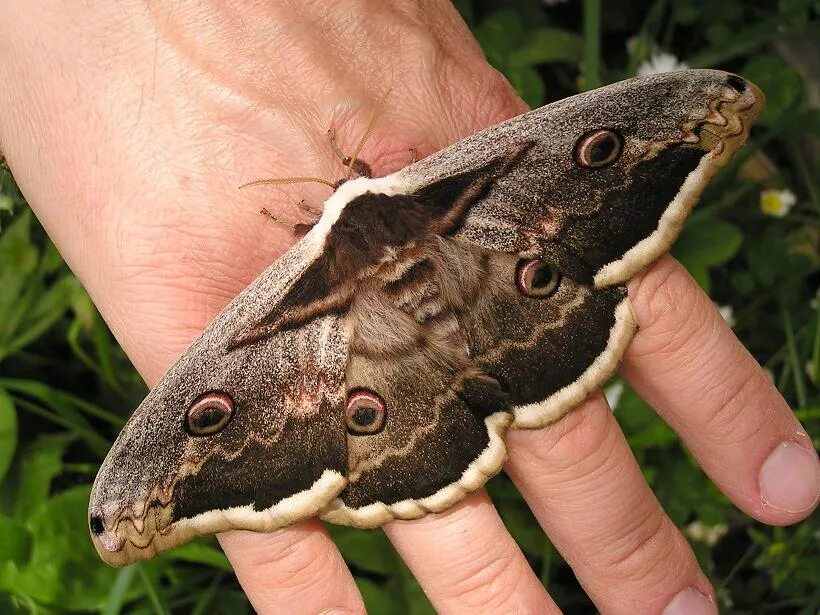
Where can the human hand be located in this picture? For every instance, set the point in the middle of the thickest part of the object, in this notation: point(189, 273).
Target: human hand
point(129, 143)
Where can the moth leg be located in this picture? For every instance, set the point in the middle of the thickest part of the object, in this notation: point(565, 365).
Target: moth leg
point(414, 155)
point(300, 229)
point(314, 213)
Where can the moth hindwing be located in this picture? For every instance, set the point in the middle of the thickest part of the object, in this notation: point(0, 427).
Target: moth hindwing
point(372, 371)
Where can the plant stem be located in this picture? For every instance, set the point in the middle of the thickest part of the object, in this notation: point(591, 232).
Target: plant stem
point(794, 359)
point(592, 44)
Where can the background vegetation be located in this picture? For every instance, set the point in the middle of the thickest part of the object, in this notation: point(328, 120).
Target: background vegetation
point(65, 386)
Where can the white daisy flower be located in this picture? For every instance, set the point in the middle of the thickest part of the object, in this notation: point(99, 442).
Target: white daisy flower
point(728, 314)
point(708, 534)
point(661, 62)
point(777, 203)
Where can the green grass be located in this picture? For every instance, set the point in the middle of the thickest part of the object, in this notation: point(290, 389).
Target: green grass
point(65, 385)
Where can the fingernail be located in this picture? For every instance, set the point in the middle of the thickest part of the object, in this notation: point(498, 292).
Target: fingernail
point(790, 478)
point(690, 602)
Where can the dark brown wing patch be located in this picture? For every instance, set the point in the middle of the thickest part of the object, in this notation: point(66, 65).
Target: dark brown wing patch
point(537, 346)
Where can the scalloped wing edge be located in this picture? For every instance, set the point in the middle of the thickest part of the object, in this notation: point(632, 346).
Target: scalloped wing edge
point(651, 248)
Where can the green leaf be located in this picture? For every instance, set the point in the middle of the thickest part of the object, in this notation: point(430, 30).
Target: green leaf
point(64, 570)
point(42, 461)
point(705, 244)
point(782, 85)
point(378, 600)
point(36, 317)
point(18, 261)
point(6, 204)
point(522, 526)
point(544, 45)
point(527, 82)
point(201, 553)
point(8, 432)
point(499, 34)
point(15, 541)
point(643, 427)
point(366, 550)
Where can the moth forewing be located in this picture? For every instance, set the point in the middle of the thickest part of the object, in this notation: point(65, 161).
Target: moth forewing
point(372, 372)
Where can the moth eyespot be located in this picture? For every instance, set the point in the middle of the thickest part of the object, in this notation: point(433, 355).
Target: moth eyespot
point(96, 525)
point(536, 279)
point(736, 83)
point(598, 148)
point(366, 413)
point(208, 414)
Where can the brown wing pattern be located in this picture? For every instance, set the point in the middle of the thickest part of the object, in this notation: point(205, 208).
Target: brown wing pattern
point(479, 288)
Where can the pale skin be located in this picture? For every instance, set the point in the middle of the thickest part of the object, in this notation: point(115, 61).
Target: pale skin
point(129, 126)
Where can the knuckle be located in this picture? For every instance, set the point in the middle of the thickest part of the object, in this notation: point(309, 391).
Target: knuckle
point(487, 583)
point(585, 433)
point(672, 313)
point(296, 562)
point(727, 420)
point(495, 100)
point(643, 553)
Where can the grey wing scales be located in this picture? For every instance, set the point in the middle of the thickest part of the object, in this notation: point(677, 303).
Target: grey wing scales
point(597, 225)
point(602, 225)
point(281, 457)
point(479, 288)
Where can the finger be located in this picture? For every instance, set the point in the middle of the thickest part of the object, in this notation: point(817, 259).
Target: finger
point(295, 570)
point(688, 365)
point(467, 562)
point(587, 492)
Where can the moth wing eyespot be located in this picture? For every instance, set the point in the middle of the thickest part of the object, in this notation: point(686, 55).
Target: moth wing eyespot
point(208, 414)
point(598, 148)
point(366, 413)
point(536, 278)
point(736, 83)
point(96, 524)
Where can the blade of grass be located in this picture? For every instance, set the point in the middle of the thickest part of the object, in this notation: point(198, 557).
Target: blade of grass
point(94, 440)
point(55, 397)
point(116, 597)
point(203, 604)
point(748, 40)
point(8, 432)
point(547, 557)
point(794, 359)
point(153, 593)
point(808, 177)
point(103, 366)
point(592, 44)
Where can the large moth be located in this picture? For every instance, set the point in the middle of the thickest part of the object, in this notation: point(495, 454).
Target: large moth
point(372, 371)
